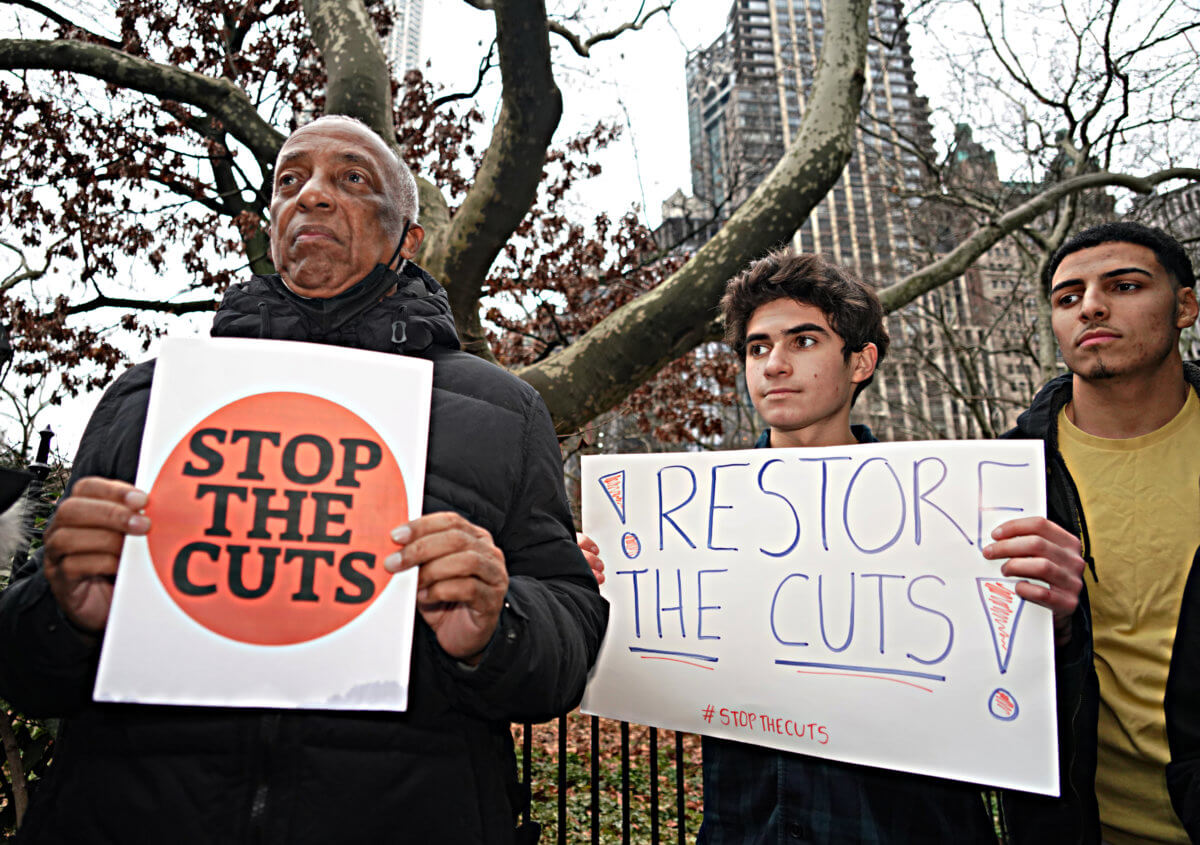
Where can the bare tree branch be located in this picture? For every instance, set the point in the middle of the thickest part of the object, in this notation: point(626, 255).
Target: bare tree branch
point(219, 97)
point(52, 15)
point(485, 64)
point(160, 306)
point(954, 263)
point(584, 46)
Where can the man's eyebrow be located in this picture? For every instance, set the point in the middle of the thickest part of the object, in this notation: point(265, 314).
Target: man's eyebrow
point(794, 330)
point(1124, 271)
point(355, 158)
point(1120, 271)
point(350, 157)
point(806, 327)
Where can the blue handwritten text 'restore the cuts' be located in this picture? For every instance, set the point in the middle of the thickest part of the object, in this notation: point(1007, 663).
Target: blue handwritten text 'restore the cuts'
point(818, 510)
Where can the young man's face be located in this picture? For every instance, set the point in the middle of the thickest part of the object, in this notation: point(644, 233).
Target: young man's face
point(798, 378)
point(1116, 312)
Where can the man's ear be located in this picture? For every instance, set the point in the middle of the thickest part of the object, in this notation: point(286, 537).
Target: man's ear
point(863, 363)
point(412, 241)
point(1186, 307)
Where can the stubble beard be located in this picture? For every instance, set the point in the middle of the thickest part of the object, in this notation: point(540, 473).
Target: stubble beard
point(1099, 373)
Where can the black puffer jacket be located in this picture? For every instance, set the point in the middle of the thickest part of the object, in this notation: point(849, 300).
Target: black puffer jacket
point(1074, 817)
point(441, 772)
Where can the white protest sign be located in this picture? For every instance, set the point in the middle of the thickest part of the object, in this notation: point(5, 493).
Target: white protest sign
point(832, 602)
point(275, 471)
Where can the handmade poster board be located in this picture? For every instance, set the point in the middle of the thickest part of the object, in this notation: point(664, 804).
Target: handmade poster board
point(832, 602)
point(275, 472)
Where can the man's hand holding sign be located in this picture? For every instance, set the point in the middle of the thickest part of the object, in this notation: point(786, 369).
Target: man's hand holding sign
point(1034, 547)
point(83, 547)
point(461, 581)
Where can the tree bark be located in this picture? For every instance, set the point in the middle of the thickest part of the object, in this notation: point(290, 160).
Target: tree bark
point(358, 83)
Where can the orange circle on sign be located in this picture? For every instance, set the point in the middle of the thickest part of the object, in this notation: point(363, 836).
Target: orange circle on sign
point(270, 519)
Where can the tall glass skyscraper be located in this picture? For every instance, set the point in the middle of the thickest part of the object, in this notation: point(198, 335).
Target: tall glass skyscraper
point(403, 46)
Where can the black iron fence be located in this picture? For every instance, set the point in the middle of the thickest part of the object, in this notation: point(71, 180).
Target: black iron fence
point(597, 780)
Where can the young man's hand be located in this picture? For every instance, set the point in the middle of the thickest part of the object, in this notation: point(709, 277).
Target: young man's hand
point(1038, 548)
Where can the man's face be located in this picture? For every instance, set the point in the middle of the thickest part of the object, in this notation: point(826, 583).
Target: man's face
point(333, 215)
point(797, 375)
point(1116, 312)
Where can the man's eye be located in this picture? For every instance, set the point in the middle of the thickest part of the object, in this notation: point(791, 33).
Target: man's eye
point(1127, 286)
point(1067, 299)
point(355, 177)
point(286, 179)
point(804, 341)
point(756, 349)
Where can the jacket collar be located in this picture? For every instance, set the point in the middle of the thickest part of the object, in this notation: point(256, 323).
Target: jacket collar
point(411, 320)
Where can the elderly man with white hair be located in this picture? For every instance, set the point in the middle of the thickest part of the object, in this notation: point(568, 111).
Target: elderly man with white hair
point(509, 616)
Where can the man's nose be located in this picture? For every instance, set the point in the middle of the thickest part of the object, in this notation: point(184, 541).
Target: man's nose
point(316, 193)
point(1094, 305)
point(777, 359)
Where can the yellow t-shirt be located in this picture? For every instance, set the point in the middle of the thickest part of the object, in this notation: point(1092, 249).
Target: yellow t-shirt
point(1141, 500)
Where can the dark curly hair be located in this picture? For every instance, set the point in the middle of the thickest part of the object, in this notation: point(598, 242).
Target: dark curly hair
point(1166, 249)
point(850, 305)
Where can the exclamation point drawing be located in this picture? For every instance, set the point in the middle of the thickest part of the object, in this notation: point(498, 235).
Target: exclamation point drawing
point(614, 488)
point(1003, 607)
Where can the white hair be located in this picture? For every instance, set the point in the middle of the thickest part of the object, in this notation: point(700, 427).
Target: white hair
point(406, 194)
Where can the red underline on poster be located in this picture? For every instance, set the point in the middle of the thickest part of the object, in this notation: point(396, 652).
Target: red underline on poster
point(676, 660)
point(673, 656)
point(860, 675)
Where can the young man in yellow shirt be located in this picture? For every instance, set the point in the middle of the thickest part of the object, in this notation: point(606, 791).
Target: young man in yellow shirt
point(1122, 433)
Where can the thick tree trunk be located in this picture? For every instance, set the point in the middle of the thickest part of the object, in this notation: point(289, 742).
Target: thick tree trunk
point(507, 181)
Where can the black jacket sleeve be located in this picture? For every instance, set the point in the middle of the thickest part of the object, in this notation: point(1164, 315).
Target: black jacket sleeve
point(46, 667)
point(553, 621)
point(1182, 704)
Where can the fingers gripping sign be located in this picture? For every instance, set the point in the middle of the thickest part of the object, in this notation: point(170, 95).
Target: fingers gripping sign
point(1038, 548)
point(83, 546)
point(461, 580)
point(591, 553)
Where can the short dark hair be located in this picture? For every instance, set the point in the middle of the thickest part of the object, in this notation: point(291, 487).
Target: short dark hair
point(850, 305)
point(1166, 249)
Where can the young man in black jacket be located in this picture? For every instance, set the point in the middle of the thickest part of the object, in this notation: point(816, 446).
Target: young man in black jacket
point(1122, 433)
point(509, 619)
point(810, 336)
